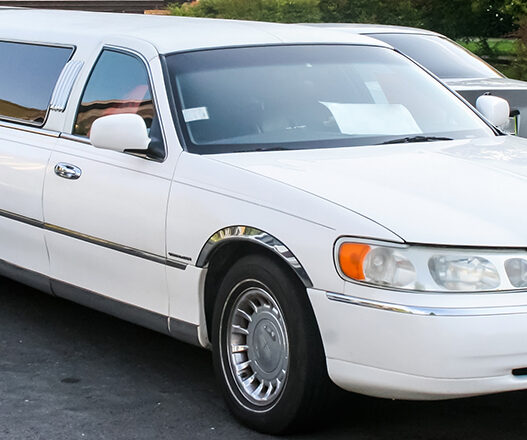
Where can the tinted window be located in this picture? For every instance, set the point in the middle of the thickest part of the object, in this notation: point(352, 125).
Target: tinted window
point(118, 84)
point(291, 97)
point(28, 74)
point(443, 57)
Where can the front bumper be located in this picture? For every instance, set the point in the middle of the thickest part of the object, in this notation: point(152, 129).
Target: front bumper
point(389, 350)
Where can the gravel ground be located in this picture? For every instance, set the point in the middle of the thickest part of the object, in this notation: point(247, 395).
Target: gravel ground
point(67, 372)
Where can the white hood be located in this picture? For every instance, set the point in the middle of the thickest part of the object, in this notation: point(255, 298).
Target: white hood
point(469, 192)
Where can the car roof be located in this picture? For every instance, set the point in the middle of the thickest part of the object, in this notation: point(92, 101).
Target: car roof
point(364, 29)
point(166, 33)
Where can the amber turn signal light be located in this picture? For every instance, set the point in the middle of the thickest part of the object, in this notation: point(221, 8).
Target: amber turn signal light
point(351, 259)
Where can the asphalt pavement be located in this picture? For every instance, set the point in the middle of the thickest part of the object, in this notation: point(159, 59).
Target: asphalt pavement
point(68, 372)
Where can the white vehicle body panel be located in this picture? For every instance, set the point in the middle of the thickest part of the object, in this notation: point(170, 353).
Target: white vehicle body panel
point(104, 192)
point(24, 158)
point(418, 182)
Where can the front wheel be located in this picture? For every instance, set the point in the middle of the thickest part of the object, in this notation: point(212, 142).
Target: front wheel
point(267, 349)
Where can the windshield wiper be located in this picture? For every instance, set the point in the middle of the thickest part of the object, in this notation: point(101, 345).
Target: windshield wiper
point(409, 139)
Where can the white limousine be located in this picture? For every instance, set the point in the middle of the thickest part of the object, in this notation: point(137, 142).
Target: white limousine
point(311, 205)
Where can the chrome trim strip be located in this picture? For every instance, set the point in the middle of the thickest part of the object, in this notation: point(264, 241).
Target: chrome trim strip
point(29, 129)
point(64, 85)
point(75, 138)
point(93, 240)
point(21, 218)
point(114, 246)
point(181, 257)
point(256, 236)
point(38, 43)
point(427, 311)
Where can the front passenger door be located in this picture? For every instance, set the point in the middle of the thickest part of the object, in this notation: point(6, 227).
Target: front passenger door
point(106, 222)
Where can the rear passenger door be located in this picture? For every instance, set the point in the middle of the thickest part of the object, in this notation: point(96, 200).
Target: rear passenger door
point(28, 75)
point(106, 224)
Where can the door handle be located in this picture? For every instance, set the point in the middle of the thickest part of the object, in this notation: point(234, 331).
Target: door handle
point(67, 171)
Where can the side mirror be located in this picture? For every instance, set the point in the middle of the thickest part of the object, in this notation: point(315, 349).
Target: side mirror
point(496, 110)
point(120, 132)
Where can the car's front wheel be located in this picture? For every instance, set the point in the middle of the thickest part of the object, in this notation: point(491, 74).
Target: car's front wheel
point(267, 348)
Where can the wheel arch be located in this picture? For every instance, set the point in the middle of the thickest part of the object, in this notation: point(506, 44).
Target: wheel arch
point(256, 236)
point(229, 244)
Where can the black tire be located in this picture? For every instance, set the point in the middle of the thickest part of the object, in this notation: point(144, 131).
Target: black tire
point(305, 389)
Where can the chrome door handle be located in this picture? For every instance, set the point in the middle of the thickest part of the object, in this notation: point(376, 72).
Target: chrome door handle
point(67, 171)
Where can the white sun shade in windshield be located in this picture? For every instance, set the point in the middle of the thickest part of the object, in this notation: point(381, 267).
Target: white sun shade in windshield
point(373, 119)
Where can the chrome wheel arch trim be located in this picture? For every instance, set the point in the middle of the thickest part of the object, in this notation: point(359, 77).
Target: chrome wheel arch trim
point(257, 236)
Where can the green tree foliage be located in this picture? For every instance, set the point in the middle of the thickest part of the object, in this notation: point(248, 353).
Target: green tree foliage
point(397, 12)
point(518, 69)
point(463, 18)
point(516, 8)
point(455, 18)
point(281, 11)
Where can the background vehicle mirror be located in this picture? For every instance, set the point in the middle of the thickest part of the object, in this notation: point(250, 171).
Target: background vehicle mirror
point(120, 133)
point(495, 109)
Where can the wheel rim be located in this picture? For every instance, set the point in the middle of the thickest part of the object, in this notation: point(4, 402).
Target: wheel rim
point(258, 346)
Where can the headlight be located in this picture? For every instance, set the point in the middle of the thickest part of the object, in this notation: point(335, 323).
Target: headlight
point(430, 268)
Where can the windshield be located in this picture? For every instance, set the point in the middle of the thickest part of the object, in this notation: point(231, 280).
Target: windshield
point(441, 56)
point(293, 97)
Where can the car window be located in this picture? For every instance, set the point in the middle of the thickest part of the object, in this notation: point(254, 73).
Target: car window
point(119, 83)
point(441, 56)
point(309, 96)
point(28, 74)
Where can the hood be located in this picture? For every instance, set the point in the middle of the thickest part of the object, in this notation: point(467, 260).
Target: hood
point(467, 192)
point(486, 83)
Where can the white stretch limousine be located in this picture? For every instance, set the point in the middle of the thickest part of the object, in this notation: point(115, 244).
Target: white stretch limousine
point(310, 205)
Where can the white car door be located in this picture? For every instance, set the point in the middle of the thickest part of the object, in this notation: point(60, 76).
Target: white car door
point(25, 149)
point(105, 211)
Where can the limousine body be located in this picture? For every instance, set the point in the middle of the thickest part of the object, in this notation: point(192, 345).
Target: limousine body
point(312, 206)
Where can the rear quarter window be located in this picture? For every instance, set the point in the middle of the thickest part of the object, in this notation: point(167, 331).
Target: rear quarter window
point(28, 75)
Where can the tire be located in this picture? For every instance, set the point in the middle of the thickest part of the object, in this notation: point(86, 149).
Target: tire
point(263, 311)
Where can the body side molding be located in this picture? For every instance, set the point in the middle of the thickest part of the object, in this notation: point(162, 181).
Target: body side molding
point(93, 240)
point(247, 233)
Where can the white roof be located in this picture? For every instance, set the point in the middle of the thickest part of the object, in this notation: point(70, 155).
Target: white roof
point(166, 33)
point(365, 29)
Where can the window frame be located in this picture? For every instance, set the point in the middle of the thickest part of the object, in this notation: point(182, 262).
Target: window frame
point(48, 109)
point(138, 56)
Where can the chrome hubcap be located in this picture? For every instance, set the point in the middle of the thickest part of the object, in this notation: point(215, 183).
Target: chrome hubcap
point(258, 346)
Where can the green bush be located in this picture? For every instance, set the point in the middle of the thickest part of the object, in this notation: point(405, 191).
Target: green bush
point(281, 11)
point(397, 12)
